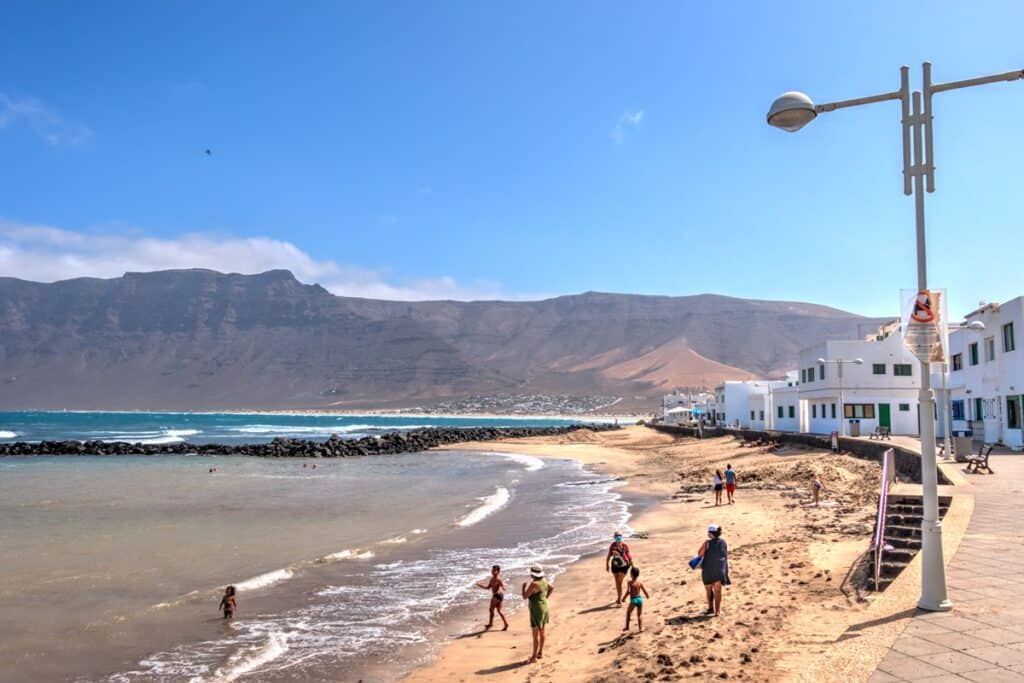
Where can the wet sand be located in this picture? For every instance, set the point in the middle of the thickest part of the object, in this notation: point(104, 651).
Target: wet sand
point(787, 560)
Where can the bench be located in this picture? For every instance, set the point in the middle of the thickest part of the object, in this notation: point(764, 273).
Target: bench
point(976, 463)
point(880, 433)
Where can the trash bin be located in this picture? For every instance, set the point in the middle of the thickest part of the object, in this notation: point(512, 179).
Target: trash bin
point(962, 447)
point(854, 427)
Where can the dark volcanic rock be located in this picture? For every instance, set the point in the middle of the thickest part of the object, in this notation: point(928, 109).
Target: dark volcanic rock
point(281, 447)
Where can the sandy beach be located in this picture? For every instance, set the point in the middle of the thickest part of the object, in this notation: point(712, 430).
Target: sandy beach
point(788, 562)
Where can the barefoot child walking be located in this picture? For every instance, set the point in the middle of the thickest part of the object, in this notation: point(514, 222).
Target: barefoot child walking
point(816, 488)
point(497, 587)
point(635, 587)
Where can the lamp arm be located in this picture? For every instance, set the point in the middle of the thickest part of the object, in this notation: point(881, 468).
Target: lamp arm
point(856, 102)
point(981, 80)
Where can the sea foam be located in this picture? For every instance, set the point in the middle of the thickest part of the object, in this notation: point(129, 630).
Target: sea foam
point(490, 505)
point(6, 434)
point(250, 660)
point(264, 580)
point(531, 463)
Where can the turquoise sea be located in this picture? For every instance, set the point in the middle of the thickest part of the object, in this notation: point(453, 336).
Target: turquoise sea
point(154, 428)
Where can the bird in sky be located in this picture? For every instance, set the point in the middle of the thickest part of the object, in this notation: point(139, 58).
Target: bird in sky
point(209, 153)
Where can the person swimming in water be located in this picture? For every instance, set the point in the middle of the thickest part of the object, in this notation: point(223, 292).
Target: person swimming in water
point(497, 587)
point(227, 603)
point(634, 588)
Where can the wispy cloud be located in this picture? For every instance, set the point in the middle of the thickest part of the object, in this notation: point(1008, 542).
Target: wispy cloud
point(40, 119)
point(629, 119)
point(47, 254)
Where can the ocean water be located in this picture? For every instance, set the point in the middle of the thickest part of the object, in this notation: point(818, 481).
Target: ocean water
point(114, 567)
point(156, 428)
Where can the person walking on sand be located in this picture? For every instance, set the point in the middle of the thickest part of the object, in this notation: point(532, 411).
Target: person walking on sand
point(714, 568)
point(227, 603)
point(636, 600)
point(497, 587)
point(618, 561)
point(537, 592)
point(717, 482)
point(816, 488)
point(730, 482)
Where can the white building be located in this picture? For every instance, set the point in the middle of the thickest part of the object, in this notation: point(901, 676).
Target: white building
point(683, 406)
point(986, 375)
point(882, 391)
point(785, 405)
point(733, 402)
point(751, 404)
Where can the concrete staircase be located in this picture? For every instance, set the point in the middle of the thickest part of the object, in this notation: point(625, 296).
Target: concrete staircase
point(903, 533)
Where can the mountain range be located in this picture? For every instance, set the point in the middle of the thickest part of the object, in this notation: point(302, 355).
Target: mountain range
point(200, 340)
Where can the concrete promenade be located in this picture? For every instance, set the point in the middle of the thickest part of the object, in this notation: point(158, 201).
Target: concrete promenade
point(982, 638)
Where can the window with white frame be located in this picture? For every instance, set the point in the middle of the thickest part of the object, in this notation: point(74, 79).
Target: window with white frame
point(902, 369)
point(990, 349)
point(1008, 341)
point(958, 362)
point(957, 408)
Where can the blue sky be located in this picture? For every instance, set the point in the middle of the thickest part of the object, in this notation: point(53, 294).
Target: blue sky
point(416, 150)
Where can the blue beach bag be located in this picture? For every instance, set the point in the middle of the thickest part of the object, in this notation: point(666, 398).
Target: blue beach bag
point(695, 562)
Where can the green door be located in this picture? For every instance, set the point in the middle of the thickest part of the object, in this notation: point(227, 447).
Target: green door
point(884, 417)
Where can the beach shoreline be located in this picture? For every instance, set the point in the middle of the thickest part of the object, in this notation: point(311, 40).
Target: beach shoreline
point(788, 561)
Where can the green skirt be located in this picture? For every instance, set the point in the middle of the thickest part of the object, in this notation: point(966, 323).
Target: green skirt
point(538, 614)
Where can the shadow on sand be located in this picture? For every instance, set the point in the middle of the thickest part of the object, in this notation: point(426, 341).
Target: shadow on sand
point(502, 669)
point(684, 619)
point(474, 634)
point(602, 608)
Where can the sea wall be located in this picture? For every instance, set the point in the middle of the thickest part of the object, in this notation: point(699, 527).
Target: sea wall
point(908, 463)
point(334, 447)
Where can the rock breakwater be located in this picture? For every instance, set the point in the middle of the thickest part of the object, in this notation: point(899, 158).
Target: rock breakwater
point(334, 447)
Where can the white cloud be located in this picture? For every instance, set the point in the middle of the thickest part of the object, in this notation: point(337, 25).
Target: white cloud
point(46, 254)
point(43, 121)
point(627, 120)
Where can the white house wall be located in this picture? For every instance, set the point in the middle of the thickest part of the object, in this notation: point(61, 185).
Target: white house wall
point(860, 384)
point(993, 381)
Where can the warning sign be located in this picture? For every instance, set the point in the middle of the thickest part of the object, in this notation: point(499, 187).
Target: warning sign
point(923, 332)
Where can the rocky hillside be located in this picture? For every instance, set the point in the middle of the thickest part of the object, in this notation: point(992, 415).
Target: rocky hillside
point(199, 339)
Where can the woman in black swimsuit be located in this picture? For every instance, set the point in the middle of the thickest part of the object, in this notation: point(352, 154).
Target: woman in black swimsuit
point(497, 587)
point(618, 561)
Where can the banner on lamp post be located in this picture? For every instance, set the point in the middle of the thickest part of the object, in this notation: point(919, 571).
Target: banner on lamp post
point(924, 323)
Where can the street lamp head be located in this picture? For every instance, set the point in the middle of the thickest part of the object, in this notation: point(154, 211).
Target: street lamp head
point(791, 111)
point(976, 325)
point(858, 361)
point(822, 361)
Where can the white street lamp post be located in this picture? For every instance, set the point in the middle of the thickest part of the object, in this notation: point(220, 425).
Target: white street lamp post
point(839, 362)
point(791, 112)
